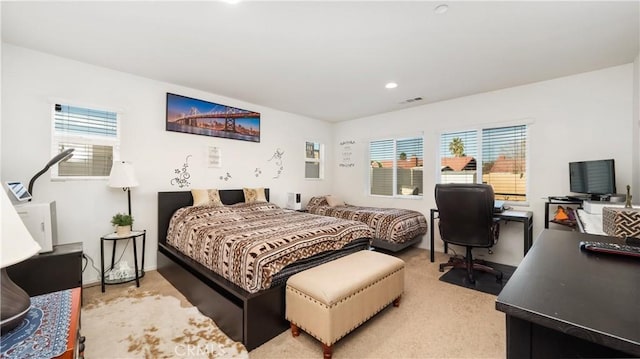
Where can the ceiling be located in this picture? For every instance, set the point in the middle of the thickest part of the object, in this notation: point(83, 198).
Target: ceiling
point(330, 60)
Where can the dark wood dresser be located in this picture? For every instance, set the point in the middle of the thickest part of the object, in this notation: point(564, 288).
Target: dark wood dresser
point(50, 272)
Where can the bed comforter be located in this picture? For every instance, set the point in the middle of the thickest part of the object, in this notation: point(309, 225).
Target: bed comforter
point(248, 243)
point(389, 224)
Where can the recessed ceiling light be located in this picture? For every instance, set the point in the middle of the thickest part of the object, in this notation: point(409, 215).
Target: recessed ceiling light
point(441, 9)
point(391, 85)
point(233, 2)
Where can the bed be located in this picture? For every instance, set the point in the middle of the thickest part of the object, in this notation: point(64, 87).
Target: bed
point(245, 300)
point(394, 229)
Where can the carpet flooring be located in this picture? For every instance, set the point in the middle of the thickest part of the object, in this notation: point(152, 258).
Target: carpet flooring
point(130, 322)
point(435, 319)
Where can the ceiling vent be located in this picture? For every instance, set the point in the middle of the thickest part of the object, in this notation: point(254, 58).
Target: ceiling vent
point(411, 100)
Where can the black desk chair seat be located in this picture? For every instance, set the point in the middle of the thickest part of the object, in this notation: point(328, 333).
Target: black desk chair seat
point(465, 214)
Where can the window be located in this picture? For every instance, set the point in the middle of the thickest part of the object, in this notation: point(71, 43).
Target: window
point(396, 167)
point(94, 136)
point(313, 167)
point(502, 156)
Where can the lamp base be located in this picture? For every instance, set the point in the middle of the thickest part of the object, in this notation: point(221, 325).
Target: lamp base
point(15, 303)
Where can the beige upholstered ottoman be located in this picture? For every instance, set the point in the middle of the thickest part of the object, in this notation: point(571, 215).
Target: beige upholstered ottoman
point(332, 299)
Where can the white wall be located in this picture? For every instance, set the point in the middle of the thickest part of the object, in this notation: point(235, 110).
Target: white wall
point(582, 117)
point(32, 81)
point(635, 185)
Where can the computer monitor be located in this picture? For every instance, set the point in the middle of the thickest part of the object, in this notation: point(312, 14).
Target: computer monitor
point(19, 191)
point(592, 177)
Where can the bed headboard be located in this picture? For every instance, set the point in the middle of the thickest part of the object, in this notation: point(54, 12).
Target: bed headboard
point(169, 202)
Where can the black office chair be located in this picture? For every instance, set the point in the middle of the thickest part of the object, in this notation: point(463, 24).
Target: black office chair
point(465, 213)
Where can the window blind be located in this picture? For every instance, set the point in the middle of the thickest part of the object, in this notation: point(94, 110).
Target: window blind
point(381, 157)
point(396, 167)
point(85, 121)
point(458, 144)
point(93, 134)
point(496, 156)
point(504, 159)
point(458, 157)
point(409, 162)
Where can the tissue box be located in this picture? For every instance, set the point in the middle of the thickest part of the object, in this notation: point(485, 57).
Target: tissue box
point(621, 222)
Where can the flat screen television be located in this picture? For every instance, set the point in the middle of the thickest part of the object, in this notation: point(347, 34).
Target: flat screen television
point(592, 177)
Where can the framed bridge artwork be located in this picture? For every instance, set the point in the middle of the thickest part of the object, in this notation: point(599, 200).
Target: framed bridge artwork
point(198, 117)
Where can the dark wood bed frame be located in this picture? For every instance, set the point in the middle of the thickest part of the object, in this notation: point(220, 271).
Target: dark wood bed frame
point(250, 318)
point(395, 247)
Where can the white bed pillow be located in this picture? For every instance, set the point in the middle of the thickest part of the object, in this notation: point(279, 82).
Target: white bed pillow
point(252, 195)
point(317, 201)
point(334, 201)
point(206, 197)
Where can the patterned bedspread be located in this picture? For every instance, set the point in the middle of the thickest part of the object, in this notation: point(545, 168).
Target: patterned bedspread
point(248, 243)
point(390, 224)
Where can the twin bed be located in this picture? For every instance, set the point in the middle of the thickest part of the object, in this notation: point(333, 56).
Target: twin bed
point(232, 261)
point(394, 228)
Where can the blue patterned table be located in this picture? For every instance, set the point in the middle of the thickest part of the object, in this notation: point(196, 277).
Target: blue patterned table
point(49, 329)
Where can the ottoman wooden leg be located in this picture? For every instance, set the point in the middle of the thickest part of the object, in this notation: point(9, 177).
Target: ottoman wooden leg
point(295, 331)
point(327, 350)
point(396, 302)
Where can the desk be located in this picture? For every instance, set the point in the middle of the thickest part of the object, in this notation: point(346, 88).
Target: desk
point(564, 302)
point(525, 217)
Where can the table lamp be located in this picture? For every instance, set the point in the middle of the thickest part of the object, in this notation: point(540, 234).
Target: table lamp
point(123, 176)
point(16, 245)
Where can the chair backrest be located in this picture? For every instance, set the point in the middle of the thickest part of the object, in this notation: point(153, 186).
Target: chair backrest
point(465, 213)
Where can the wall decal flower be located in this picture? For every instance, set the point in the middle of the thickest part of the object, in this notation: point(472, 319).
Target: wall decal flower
point(277, 160)
point(182, 175)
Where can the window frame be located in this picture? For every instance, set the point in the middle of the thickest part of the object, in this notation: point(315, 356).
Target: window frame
point(85, 139)
point(395, 194)
point(479, 162)
point(319, 160)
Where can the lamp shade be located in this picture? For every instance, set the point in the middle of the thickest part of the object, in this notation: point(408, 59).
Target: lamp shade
point(16, 243)
point(122, 175)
